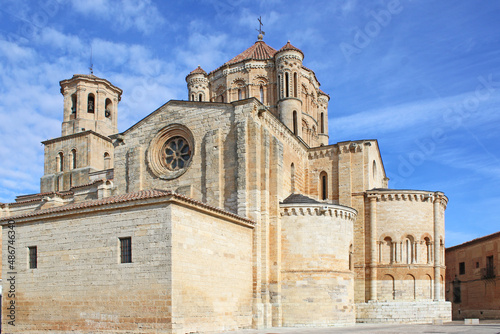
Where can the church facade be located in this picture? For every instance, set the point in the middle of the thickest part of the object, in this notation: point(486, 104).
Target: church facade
point(229, 210)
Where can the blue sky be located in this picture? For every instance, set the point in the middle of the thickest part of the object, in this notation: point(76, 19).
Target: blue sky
point(422, 77)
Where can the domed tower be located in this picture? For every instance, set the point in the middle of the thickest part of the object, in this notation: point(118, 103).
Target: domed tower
point(90, 103)
point(197, 82)
point(288, 68)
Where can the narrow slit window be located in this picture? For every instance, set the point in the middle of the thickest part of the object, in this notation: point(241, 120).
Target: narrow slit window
point(295, 84)
point(295, 122)
point(322, 123)
point(126, 250)
point(287, 85)
point(32, 257)
point(73, 159)
point(323, 178)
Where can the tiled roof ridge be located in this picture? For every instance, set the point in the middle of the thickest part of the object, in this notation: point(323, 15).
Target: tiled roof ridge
point(476, 240)
point(40, 196)
point(289, 46)
point(299, 199)
point(143, 194)
point(258, 51)
point(198, 70)
point(88, 184)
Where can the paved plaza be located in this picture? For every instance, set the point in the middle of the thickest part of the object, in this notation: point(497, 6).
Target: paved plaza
point(485, 327)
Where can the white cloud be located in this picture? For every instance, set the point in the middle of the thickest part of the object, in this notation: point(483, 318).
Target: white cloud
point(141, 15)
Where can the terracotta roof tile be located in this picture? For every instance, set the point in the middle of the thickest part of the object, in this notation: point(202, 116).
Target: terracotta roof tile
point(145, 194)
point(289, 46)
point(322, 92)
point(259, 51)
point(198, 70)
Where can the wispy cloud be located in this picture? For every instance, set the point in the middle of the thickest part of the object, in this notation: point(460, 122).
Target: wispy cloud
point(142, 15)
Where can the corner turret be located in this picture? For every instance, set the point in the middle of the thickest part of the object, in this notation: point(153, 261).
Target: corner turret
point(197, 82)
point(288, 73)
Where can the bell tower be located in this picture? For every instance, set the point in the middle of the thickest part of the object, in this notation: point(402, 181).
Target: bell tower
point(84, 152)
point(90, 103)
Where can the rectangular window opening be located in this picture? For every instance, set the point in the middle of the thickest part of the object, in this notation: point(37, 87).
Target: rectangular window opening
point(126, 250)
point(32, 257)
point(462, 268)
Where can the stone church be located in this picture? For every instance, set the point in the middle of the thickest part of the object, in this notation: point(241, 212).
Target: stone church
point(229, 210)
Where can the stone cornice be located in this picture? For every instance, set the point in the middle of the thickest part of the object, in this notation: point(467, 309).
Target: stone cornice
point(384, 195)
point(321, 209)
point(92, 79)
point(247, 65)
point(146, 197)
point(75, 135)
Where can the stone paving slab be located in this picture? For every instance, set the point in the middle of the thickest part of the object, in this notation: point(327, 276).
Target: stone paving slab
point(485, 327)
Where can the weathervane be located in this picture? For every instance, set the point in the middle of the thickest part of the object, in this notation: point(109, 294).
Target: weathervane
point(261, 33)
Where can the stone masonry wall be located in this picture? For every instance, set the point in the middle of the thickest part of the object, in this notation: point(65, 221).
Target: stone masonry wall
point(79, 283)
point(211, 273)
point(403, 312)
point(316, 277)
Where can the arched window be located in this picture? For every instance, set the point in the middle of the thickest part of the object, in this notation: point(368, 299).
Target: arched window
point(74, 101)
point(200, 97)
point(60, 162)
point(408, 250)
point(222, 98)
point(261, 91)
point(239, 94)
point(287, 85)
point(107, 161)
point(91, 103)
point(192, 97)
point(323, 181)
point(386, 252)
point(374, 169)
point(73, 159)
point(108, 108)
point(322, 123)
point(295, 84)
point(295, 122)
point(292, 177)
point(428, 250)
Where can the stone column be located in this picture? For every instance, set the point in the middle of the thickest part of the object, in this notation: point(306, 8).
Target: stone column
point(437, 287)
point(373, 250)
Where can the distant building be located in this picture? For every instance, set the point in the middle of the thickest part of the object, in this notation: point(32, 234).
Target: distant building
point(230, 210)
point(472, 278)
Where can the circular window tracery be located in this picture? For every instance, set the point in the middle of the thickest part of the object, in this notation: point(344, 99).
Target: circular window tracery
point(171, 151)
point(177, 153)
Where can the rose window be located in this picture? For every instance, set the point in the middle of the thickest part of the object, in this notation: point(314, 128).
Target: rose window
point(177, 153)
point(171, 152)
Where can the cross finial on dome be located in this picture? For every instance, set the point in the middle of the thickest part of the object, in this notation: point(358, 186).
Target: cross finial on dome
point(261, 33)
